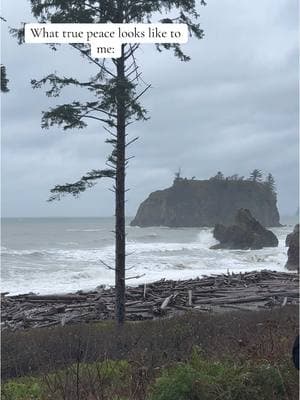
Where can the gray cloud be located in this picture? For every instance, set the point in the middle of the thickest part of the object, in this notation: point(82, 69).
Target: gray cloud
point(234, 108)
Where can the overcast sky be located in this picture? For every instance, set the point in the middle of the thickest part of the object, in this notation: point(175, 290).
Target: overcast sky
point(232, 108)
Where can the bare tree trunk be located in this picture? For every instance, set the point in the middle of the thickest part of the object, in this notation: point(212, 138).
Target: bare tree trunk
point(120, 195)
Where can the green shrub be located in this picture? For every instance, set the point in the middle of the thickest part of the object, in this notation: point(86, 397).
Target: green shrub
point(200, 379)
point(22, 389)
point(176, 383)
point(110, 378)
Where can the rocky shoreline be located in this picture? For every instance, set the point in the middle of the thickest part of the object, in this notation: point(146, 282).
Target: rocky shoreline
point(165, 298)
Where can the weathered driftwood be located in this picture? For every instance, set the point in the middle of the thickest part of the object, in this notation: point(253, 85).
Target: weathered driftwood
point(251, 290)
point(190, 295)
point(166, 302)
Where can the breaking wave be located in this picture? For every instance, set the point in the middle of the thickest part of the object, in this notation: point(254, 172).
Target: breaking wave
point(159, 253)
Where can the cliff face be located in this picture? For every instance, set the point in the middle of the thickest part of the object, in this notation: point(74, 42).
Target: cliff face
point(191, 203)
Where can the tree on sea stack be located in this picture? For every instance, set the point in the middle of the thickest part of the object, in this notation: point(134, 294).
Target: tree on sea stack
point(115, 90)
point(218, 177)
point(256, 175)
point(270, 183)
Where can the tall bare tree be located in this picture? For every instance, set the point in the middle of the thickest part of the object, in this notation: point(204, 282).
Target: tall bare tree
point(116, 89)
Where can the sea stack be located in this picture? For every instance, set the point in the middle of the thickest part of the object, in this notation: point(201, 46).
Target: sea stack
point(199, 203)
point(292, 241)
point(246, 233)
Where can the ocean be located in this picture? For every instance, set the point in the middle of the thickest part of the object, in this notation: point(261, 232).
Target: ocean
point(62, 255)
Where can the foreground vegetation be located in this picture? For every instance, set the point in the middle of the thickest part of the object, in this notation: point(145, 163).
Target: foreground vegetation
point(196, 379)
point(194, 357)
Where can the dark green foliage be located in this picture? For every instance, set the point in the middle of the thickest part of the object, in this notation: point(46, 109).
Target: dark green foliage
point(22, 389)
point(86, 181)
point(218, 177)
point(178, 175)
point(68, 115)
point(256, 175)
point(200, 379)
point(57, 83)
point(235, 177)
point(270, 183)
point(178, 383)
point(4, 80)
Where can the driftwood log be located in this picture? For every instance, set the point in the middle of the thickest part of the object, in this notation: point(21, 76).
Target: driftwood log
point(164, 298)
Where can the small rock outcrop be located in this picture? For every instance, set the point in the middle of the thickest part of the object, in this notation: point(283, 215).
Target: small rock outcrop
point(197, 203)
point(292, 241)
point(246, 233)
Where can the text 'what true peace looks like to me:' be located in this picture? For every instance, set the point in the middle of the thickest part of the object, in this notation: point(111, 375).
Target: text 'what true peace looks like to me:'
point(106, 39)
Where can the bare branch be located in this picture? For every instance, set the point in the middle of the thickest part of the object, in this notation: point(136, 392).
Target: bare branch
point(132, 141)
point(141, 94)
point(107, 121)
point(110, 132)
point(130, 268)
point(134, 277)
point(107, 266)
point(93, 60)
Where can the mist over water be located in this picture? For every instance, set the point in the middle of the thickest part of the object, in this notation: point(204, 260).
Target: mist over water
point(60, 255)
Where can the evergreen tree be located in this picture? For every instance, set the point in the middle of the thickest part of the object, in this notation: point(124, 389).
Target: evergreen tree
point(4, 80)
point(270, 183)
point(256, 175)
point(218, 177)
point(116, 89)
point(233, 177)
point(178, 175)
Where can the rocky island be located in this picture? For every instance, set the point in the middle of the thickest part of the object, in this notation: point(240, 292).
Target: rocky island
point(292, 242)
point(197, 203)
point(246, 233)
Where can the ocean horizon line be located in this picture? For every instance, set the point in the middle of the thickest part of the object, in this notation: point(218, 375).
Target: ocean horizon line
point(63, 217)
